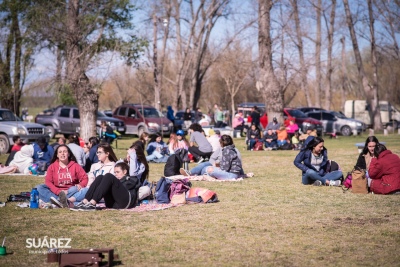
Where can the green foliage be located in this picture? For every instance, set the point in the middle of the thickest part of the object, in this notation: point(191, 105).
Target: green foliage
point(66, 97)
point(103, 26)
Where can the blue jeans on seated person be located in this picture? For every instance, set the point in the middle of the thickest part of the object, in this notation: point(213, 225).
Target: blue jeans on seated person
point(251, 143)
point(200, 169)
point(45, 193)
point(154, 155)
point(222, 175)
point(281, 142)
point(311, 176)
point(270, 144)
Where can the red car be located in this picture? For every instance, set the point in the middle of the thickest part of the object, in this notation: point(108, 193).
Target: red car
point(301, 119)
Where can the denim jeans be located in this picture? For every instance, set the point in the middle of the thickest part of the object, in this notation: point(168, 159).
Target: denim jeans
point(270, 144)
point(200, 169)
point(251, 143)
point(281, 142)
point(154, 155)
point(311, 176)
point(45, 193)
point(220, 174)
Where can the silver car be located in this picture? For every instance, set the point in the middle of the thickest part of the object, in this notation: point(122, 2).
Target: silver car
point(336, 122)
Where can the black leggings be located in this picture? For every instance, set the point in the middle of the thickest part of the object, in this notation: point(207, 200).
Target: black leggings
point(112, 190)
point(195, 151)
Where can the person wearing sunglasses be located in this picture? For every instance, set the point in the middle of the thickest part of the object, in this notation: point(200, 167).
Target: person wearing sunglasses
point(107, 160)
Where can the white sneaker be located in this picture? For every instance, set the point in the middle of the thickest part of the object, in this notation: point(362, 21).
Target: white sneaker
point(56, 202)
point(335, 183)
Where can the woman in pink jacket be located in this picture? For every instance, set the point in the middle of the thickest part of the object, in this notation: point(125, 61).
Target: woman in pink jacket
point(384, 171)
point(64, 179)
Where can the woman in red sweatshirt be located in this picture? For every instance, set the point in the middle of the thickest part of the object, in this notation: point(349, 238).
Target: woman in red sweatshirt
point(64, 179)
point(384, 171)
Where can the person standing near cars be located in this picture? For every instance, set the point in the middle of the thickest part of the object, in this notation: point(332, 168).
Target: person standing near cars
point(198, 115)
point(187, 118)
point(218, 117)
point(170, 114)
point(255, 116)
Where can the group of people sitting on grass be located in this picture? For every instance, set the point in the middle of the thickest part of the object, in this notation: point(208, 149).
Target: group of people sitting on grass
point(120, 183)
point(381, 165)
point(278, 136)
point(123, 183)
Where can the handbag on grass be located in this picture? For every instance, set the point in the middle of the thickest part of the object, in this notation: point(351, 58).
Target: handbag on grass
point(359, 181)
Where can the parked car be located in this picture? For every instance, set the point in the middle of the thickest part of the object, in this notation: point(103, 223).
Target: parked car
point(335, 122)
point(178, 123)
point(143, 118)
point(66, 120)
point(302, 120)
point(11, 125)
point(108, 112)
point(309, 109)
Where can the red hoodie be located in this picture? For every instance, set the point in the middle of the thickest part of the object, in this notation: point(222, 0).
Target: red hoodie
point(58, 179)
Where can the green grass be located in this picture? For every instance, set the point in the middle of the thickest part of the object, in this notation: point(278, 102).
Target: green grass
point(268, 220)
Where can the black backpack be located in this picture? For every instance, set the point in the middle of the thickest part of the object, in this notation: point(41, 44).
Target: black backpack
point(175, 162)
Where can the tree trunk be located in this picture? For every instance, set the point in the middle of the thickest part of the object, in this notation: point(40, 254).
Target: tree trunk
point(331, 31)
point(6, 83)
point(343, 71)
point(300, 48)
point(157, 88)
point(376, 112)
point(318, 89)
point(268, 81)
point(85, 94)
point(369, 91)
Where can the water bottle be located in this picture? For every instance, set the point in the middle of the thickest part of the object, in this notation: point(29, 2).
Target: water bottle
point(34, 202)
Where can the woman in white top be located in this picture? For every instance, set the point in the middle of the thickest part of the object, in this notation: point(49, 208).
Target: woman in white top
point(107, 160)
point(23, 159)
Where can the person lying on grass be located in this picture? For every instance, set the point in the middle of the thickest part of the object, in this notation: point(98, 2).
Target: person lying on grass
point(119, 191)
point(227, 157)
point(65, 179)
point(312, 161)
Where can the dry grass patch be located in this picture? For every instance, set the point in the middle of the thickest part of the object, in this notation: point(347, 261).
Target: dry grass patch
point(268, 220)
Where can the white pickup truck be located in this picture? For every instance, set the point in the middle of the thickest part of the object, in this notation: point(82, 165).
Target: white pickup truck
point(11, 125)
point(358, 109)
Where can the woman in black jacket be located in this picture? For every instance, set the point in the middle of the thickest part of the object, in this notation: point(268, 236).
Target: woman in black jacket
point(253, 135)
point(187, 118)
point(119, 191)
point(364, 159)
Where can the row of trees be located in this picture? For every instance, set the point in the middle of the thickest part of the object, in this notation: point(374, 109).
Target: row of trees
point(310, 52)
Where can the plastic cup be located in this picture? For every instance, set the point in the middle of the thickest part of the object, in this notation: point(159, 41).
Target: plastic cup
point(3, 251)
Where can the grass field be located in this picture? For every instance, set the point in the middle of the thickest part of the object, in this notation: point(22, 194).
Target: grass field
point(268, 220)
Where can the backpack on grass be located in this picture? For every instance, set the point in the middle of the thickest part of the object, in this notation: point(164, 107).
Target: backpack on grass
point(162, 190)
